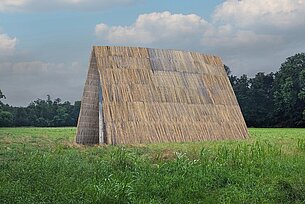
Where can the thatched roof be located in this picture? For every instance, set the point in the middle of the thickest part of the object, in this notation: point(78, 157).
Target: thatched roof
point(141, 95)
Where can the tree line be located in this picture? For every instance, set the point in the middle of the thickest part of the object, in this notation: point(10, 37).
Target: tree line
point(40, 113)
point(274, 99)
point(266, 100)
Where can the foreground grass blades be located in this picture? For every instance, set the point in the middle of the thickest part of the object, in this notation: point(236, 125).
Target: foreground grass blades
point(44, 165)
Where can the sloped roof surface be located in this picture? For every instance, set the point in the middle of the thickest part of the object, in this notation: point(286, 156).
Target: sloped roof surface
point(154, 95)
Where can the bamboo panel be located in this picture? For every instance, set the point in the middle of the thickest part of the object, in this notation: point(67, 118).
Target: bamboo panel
point(168, 112)
point(166, 132)
point(153, 95)
point(118, 62)
point(88, 122)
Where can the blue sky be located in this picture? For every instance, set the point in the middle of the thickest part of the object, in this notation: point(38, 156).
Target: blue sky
point(45, 45)
point(68, 30)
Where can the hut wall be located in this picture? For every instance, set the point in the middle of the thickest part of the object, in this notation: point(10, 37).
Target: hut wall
point(88, 121)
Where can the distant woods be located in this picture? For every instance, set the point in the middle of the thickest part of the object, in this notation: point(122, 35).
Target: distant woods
point(266, 100)
point(274, 99)
point(40, 113)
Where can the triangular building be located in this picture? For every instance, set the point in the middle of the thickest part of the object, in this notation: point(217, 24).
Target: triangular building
point(140, 95)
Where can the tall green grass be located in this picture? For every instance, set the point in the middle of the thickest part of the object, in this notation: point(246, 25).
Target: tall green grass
point(44, 166)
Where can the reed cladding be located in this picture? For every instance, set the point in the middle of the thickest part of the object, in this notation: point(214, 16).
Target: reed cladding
point(153, 95)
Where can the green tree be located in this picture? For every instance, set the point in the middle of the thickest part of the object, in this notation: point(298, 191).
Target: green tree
point(22, 116)
point(40, 113)
point(1, 95)
point(62, 117)
point(261, 109)
point(6, 118)
point(228, 70)
point(289, 92)
point(241, 87)
point(75, 112)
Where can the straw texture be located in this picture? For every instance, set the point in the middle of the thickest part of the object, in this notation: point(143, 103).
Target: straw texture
point(153, 95)
point(88, 121)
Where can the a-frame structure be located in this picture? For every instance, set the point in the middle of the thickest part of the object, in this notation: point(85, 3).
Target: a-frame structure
point(141, 95)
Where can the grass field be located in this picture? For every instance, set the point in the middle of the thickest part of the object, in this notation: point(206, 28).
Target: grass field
point(44, 165)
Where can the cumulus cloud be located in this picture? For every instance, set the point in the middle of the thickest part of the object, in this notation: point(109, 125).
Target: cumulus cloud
point(45, 5)
point(11, 4)
point(156, 28)
point(183, 31)
point(7, 44)
point(255, 13)
point(226, 36)
point(256, 32)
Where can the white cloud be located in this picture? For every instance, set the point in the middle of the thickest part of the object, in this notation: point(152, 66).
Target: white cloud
point(45, 5)
point(183, 32)
point(256, 32)
point(281, 14)
point(156, 29)
point(7, 44)
point(10, 5)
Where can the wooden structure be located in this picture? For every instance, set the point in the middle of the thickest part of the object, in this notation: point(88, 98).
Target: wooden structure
point(141, 95)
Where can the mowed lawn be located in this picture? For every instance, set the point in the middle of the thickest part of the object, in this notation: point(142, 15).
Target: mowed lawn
point(44, 165)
